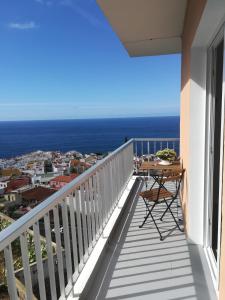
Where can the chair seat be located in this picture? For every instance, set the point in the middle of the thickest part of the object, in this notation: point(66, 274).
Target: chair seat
point(152, 195)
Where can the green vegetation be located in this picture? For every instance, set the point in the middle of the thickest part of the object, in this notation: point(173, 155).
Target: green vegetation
point(16, 251)
point(167, 154)
point(73, 169)
point(48, 166)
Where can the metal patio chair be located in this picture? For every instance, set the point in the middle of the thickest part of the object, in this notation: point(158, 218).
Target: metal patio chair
point(162, 194)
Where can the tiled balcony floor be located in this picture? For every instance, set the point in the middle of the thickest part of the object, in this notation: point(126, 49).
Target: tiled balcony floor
point(137, 265)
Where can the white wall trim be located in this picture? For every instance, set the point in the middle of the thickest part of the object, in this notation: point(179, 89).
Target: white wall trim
point(197, 145)
point(212, 19)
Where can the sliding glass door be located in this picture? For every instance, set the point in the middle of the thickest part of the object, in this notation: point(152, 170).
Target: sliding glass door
point(215, 150)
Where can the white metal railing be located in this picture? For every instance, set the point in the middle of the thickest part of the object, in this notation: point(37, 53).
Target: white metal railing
point(144, 148)
point(71, 220)
point(147, 146)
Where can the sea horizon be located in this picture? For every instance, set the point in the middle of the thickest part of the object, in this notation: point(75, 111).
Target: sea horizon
point(83, 135)
point(97, 118)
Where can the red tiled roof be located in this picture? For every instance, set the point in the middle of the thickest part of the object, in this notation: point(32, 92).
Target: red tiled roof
point(64, 178)
point(77, 163)
point(73, 176)
point(17, 183)
point(39, 194)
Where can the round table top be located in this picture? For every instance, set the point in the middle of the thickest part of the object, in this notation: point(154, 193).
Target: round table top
point(154, 165)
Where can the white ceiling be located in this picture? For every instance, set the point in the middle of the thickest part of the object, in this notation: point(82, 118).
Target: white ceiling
point(147, 27)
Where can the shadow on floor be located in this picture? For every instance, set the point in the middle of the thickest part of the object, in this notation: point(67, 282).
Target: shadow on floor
point(137, 265)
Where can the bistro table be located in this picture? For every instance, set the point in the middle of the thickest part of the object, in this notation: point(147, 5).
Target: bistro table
point(156, 171)
point(156, 166)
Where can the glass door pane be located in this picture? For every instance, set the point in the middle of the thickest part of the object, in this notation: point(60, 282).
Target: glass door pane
point(217, 111)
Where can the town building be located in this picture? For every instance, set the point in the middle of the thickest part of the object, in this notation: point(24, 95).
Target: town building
point(15, 186)
point(79, 166)
point(36, 195)
point(60, 181)
point(10, 172)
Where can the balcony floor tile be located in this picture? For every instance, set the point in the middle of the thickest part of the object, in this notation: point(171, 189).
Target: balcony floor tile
point(138, 266)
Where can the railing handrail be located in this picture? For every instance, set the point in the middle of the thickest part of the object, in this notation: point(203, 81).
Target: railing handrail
point(14, 230)
point(156, 139)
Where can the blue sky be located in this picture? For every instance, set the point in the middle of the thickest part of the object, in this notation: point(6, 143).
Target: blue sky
point(60, 59)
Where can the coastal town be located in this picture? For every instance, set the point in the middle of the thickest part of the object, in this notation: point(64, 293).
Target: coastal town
point(27, 180)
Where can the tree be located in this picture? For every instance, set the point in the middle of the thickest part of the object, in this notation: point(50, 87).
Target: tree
point(48, 166)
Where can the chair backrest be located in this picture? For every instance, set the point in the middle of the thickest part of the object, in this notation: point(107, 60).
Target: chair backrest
point(171, 176)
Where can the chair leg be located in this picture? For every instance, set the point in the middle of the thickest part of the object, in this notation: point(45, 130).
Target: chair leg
point(161, 237)
point(153, 219)
point(155, 181)
point(147, 215)
point(145, 219)
point(168, 208)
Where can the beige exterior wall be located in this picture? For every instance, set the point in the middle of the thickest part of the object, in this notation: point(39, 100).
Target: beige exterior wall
point(12, 197)
point(192, 18)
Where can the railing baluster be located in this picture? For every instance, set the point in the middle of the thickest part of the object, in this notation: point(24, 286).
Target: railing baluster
point(122, 171)
point(74, 236)
point(116, 179)
point(103, 202)
point(40, 271)
point(87, 205)
point(67, 247)
point(135, 155)
point(107, 192)
point(26, 265)
point(59, 252)
point(96, 204)
point(98, 177)
point(93, 213)
point(130, 159)
point(111, 187)
point(136, 149)
point(51, 268)
point(114, 182)
point(11, 281)
point(119, 176)
point(79, 229)
point(84, 221)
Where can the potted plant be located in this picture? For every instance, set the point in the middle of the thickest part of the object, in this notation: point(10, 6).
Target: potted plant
point(167, 156)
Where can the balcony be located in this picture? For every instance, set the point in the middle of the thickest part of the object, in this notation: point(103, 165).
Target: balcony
point(84, 241)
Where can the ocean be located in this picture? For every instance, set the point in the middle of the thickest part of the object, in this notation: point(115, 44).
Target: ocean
point(85, 136)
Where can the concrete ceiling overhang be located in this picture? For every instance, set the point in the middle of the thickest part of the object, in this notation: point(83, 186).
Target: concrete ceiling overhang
point(147, 27)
